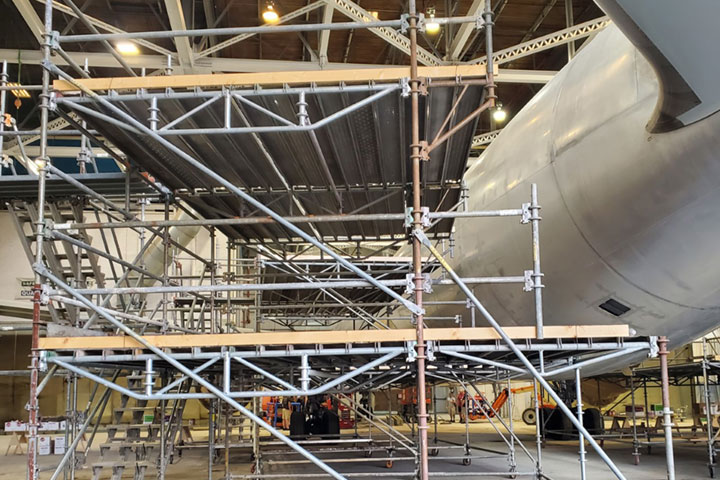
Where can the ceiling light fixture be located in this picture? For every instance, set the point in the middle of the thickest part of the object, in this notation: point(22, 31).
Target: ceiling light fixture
point(498, 114)
point(375, 14)
point(431, 26)
point(127, 48)
point(270, 15)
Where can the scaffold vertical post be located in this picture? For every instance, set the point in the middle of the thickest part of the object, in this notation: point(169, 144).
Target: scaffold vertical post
point(708, 410)
point(415, 155)
point(537, 273)
point(511, 428)
point(578, 400)
point(211, 436)
point(636, 443)
point(41, 162)
point(3, 99)
point(667, 413)
point(538, 432)
point(213, 280)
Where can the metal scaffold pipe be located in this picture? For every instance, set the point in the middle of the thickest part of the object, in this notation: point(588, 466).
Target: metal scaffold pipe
point(233, 188)
point(667, 412)
point(417, 223)
point(520, 355)
point(312, 27)
point(370, 217)
point(42, 161)
point(41, 270)
point(310, 285)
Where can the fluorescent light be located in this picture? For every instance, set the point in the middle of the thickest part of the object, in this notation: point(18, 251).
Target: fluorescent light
point(127, 48)
point(375, 14)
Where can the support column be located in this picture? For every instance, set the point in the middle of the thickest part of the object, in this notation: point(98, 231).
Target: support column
point(578, 400)
point(3, 99)
point(708, 411)
point(636, 443)
point(511, 428)
point(667, 413)
point(213, 281)
point(538, 432)
point(166, 266)
point(41, 162)
point(417, 253)
point(211, 436)
point(647, 417)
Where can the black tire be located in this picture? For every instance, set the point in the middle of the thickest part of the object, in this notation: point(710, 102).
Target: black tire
point(466, 461)
point(558, 425)
point(330, 425)
point(433, 452)
point(297, 425)
point(528, 416)
point(569, 432)
point(593, 421)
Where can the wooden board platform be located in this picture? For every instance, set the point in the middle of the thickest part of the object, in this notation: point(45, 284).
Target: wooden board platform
point(326, 337)
point(362, 75)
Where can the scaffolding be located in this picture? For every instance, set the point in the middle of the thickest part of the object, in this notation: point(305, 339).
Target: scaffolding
point(644, 425)
point(337, 334)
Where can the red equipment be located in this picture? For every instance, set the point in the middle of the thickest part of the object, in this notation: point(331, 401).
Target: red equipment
point(409, 396)
point(479, 407)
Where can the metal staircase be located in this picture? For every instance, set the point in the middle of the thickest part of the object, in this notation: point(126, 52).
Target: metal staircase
point(75, 266)
point(139, 431)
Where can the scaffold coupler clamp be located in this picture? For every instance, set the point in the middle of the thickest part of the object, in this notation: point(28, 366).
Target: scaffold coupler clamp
point(405, 87)
point(43, 359)
point(424, 152)
point(408, 217)
point(425, 216)
point(410, 283)
point(526, 214)
point(420, 24)
point(529, 284)
point(411, 352)
point(54, 40)
point(654, 349)
point(47, 229)
point(404, 22)
point(44, 294)
point(52, 102)
point(430, 350)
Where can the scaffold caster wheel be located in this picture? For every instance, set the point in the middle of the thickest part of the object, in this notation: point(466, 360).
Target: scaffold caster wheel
point(368, 453)
point(389, 464)
point(252, 469)
point(711, 469)
point(467, 461)
point(636, 459)
point(433, 452)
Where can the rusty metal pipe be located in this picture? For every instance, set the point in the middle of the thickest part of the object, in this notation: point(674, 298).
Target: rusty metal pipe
point(422, 415)
point(439, 141)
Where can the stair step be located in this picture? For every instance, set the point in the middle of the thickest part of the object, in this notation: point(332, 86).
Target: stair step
point(119, 463)
point(142, 409)
point(138, 444)
point(133, 426)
